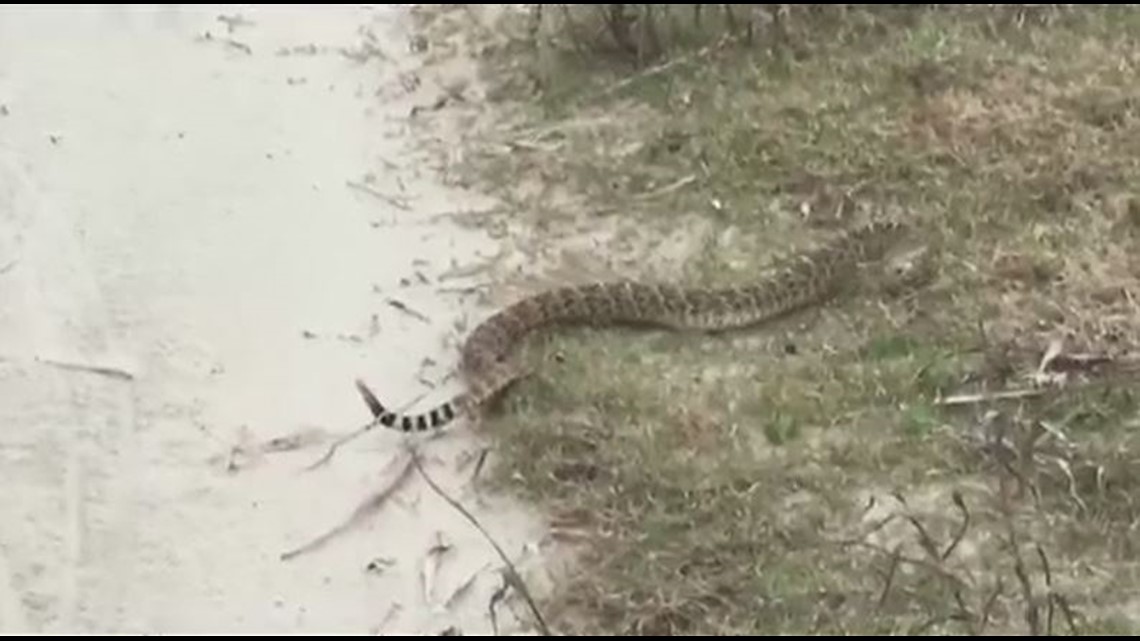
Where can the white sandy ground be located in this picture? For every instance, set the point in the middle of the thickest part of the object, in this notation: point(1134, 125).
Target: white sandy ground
point(186, 274)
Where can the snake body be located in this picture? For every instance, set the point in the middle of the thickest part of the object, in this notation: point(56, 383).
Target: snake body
point(805, 279)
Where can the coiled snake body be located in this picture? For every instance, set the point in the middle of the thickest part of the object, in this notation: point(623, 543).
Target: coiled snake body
point(805, 279)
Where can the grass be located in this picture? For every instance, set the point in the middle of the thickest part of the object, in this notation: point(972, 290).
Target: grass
point(808, 477)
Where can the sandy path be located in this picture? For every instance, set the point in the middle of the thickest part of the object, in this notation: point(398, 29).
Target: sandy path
point(174, 213)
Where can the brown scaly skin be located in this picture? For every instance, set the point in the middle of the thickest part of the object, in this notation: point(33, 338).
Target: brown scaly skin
point(805, 279)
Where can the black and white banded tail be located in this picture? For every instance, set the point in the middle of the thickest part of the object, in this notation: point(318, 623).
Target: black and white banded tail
point(438, 417)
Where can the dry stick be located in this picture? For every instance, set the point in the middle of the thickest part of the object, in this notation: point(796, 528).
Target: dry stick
point(671, 187)
point(988, 607)
point(1048, 587)
point(516, 580)
point(919, 562)
point(371, 505)
point(665, 66)
point(974, 399)
point(1068, 611)
point(1031, 615)
point(391, 200)
point(1023, 483)
point(460, 591)
point(374, 407)
point(957, 497)
point(895, 558)
point(339, 442)
point(925, 541)
point(102, 370)
point(403, 307)
point(963, 609)
point(479, 463)
point(499, 595)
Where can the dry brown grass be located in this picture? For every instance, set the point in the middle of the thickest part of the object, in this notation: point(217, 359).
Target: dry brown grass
point(811, 477)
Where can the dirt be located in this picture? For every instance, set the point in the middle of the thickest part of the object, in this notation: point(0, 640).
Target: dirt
point(210, 224)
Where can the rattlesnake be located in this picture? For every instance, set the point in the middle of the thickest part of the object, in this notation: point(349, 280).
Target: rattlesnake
point(804, 279)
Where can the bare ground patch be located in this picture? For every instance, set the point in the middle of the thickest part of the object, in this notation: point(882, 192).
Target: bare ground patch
point(956, 457)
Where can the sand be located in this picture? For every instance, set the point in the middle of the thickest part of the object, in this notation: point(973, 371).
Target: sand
point(210, 226)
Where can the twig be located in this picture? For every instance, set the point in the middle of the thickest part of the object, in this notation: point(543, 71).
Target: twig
point(1068, 612)
point(1048, 587)
point(240, 46)
point(374, 407)
point(929, 565)
point(1067, 470)
point(234, 21)
point(113, 372)
point(366, 508)
point(512, 573)
point(458, 592)
point(895, 557)
point(339, 442)
point(964, 613)
point(924, 539)
point(498, 596)
point(971, 399)
point(665, 66)
point(480, 462)
point(392, 610)
point(471, 289)
point(671, 187)
point(430, 567)
point(1031, 614)
point(988, 607)
point(408, 310)
point(391, 200)
point(958, 501)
